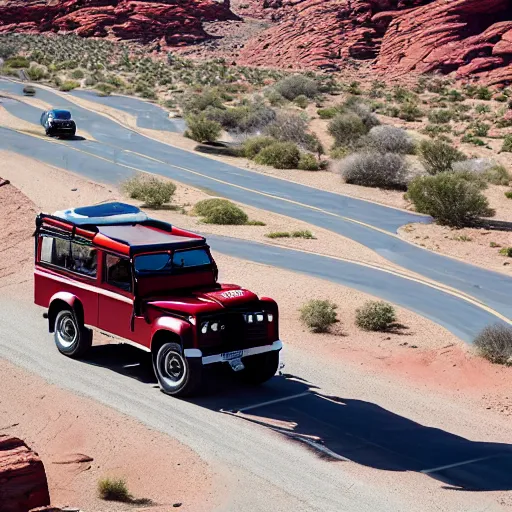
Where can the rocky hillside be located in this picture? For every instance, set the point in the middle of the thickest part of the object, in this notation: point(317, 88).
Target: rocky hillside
point(468, 37)
point(167, 22)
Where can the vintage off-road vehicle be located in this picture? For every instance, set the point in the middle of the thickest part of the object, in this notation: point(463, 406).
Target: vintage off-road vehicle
point(155, 286)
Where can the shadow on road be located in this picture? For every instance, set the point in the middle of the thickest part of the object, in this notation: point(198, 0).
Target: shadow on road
point(338, 428)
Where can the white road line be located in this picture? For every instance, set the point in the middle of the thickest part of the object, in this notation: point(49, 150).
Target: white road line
point(463, 463)
point(271, 402)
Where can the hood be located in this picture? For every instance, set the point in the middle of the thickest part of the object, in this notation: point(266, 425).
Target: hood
point(207, 301)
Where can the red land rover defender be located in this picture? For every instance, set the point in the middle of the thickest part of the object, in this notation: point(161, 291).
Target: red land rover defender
point(111, 267)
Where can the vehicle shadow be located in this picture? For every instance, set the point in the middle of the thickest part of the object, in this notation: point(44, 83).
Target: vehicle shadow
point(74, 138)
point(338, 428)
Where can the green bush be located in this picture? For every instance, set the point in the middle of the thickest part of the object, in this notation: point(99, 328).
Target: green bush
point(199, 102)
point(104, 88)
point(306, 234)
point(318, 315)
point(482, 109)
point(297, 85)
point(479, 129)
point(383, 170)
point(450, 198)
point(483, 93)
point(281, 155)
point(440, 116)
point(69, 85)
point(506, 251)
point(220, 211)
point(438, 156)
point(275, 98)
point(494, 343)
point(484, 168)
point(301, 101)
point(409, 111)
point(149, 189)
point(508, 194)
point(308, 162)
point(346, 129)
point(355, 105)
point(202, 129)
point(36, 73)
point(112, 489)
point(17, 62)
point(77, 74)
point(497, 175)
point(507, 144)
point(328, 113)
point(251, 147)
point(376, 316)
point(279, 234)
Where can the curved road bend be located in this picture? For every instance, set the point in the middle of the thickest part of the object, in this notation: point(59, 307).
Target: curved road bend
point(331, 211)
point(459, 316)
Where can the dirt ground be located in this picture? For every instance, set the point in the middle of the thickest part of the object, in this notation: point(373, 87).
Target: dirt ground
point(81, 442)
point(422, 352)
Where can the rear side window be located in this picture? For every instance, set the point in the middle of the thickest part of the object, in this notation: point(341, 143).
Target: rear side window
point(118, 272)
point(73, 256)
point(164, 262)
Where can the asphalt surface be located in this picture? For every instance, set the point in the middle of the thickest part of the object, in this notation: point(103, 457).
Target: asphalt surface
point(112, 159)
point(302, 467)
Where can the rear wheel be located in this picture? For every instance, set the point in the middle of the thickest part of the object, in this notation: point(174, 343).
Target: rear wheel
point(260, 368)
point(71, 338)
point(177, 375)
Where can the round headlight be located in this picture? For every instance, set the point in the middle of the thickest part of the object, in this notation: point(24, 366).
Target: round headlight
point(204, 327)
point(215, 326)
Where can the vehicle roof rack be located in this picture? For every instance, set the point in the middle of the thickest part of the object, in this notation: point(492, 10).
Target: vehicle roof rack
point(103, 214)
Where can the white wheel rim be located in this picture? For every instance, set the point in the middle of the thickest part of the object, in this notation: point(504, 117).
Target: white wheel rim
point(67, 332)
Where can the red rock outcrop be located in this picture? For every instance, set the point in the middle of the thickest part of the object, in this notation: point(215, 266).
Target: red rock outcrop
point(23, 484)
point(471, 37)
point(169, 22)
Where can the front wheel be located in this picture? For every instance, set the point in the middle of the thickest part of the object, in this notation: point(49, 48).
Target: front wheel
point(177, 375)
point(71, 338)
point(260, 368)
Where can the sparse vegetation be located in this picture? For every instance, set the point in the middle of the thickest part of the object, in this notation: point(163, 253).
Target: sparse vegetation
point(494, 343)
point(294, 86)
point(152, 191)
point(507, 144)
point(319, 315)
point(437, 156)
point(440, 116)
point(506, 251)
point(450, 198)
point(308, 162)
point(485, 169)
point(346, 129)
point(306, 234)
point(113, 489)
point(390, 139)
point(376, 316)
point(69, 85)
point(252, 146)
point(202, 129)
point(220, 211)
point(383, 170)
point(281, 155)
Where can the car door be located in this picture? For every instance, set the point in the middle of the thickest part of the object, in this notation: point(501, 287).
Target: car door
point(115, 305)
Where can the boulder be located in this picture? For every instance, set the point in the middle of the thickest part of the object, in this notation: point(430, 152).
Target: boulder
point(23, 484)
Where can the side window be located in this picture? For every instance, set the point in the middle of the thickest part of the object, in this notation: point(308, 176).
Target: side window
point(118, 272)
point(72, 256)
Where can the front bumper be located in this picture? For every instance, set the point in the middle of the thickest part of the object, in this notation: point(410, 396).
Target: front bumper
point(226, 357)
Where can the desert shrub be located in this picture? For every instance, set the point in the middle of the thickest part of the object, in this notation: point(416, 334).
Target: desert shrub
point(289, 127)
point(275, 98)
point(494, 343)
point(390, 139)
point(220, 211)
point(346, 129)
point(306, 234)
point(17, 62)
point(455, 96)
point(149, 189)
point(486, 168)
point(483, 93)
point(497, 175)
point(507, 144)
point(440, 116)
point(438, 156)
point(409, 111)
point(384, 170)
point(202, 129)
point(308, 162)
point(479, 129)
point(281, 155)
point(77, 74)
point(506, 251)
point(251, 147)
point(318, 315)
point(363, 111)
point(36, 73)
point(327, 113)
point(502, 98)
point(68, 85)
point(450, 198)
point(301, 101)
point(338, 153)
point(279, 234)
point(482, 109)
point(104, 88)
point(195, 103)
point(436, 130)
point(508, 194)
point(375, 316)
point(113, 489)
point(244, 119)
point(297, 85)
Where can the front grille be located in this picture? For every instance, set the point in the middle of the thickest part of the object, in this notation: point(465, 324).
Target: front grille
point(234, 333)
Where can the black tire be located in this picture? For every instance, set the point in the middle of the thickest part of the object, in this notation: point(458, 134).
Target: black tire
point(260, 368)
point(176, 374)
point(72, 339)
point(48, 133)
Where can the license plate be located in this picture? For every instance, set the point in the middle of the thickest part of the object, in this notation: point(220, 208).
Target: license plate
point(227, 356)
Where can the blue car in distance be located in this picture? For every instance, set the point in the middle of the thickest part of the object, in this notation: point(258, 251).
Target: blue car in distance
point(58, 122)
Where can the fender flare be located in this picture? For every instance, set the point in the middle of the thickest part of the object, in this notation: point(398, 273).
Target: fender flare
point(68, 298)
point(176, 326)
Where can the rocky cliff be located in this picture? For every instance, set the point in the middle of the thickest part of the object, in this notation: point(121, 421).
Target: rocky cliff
point(169, 22)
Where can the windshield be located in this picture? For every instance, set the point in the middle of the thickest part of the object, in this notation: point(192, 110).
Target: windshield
point(165, 262)
point(61, 114)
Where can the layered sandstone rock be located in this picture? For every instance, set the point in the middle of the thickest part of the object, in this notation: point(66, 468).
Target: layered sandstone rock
point(169, 22)
point(23, 484)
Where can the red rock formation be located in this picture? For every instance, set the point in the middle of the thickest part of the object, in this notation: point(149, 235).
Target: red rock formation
point(23, 484)
point(471, 37)
point(170, 22)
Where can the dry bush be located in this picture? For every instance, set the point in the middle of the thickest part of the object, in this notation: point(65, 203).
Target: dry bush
point(494, 343)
